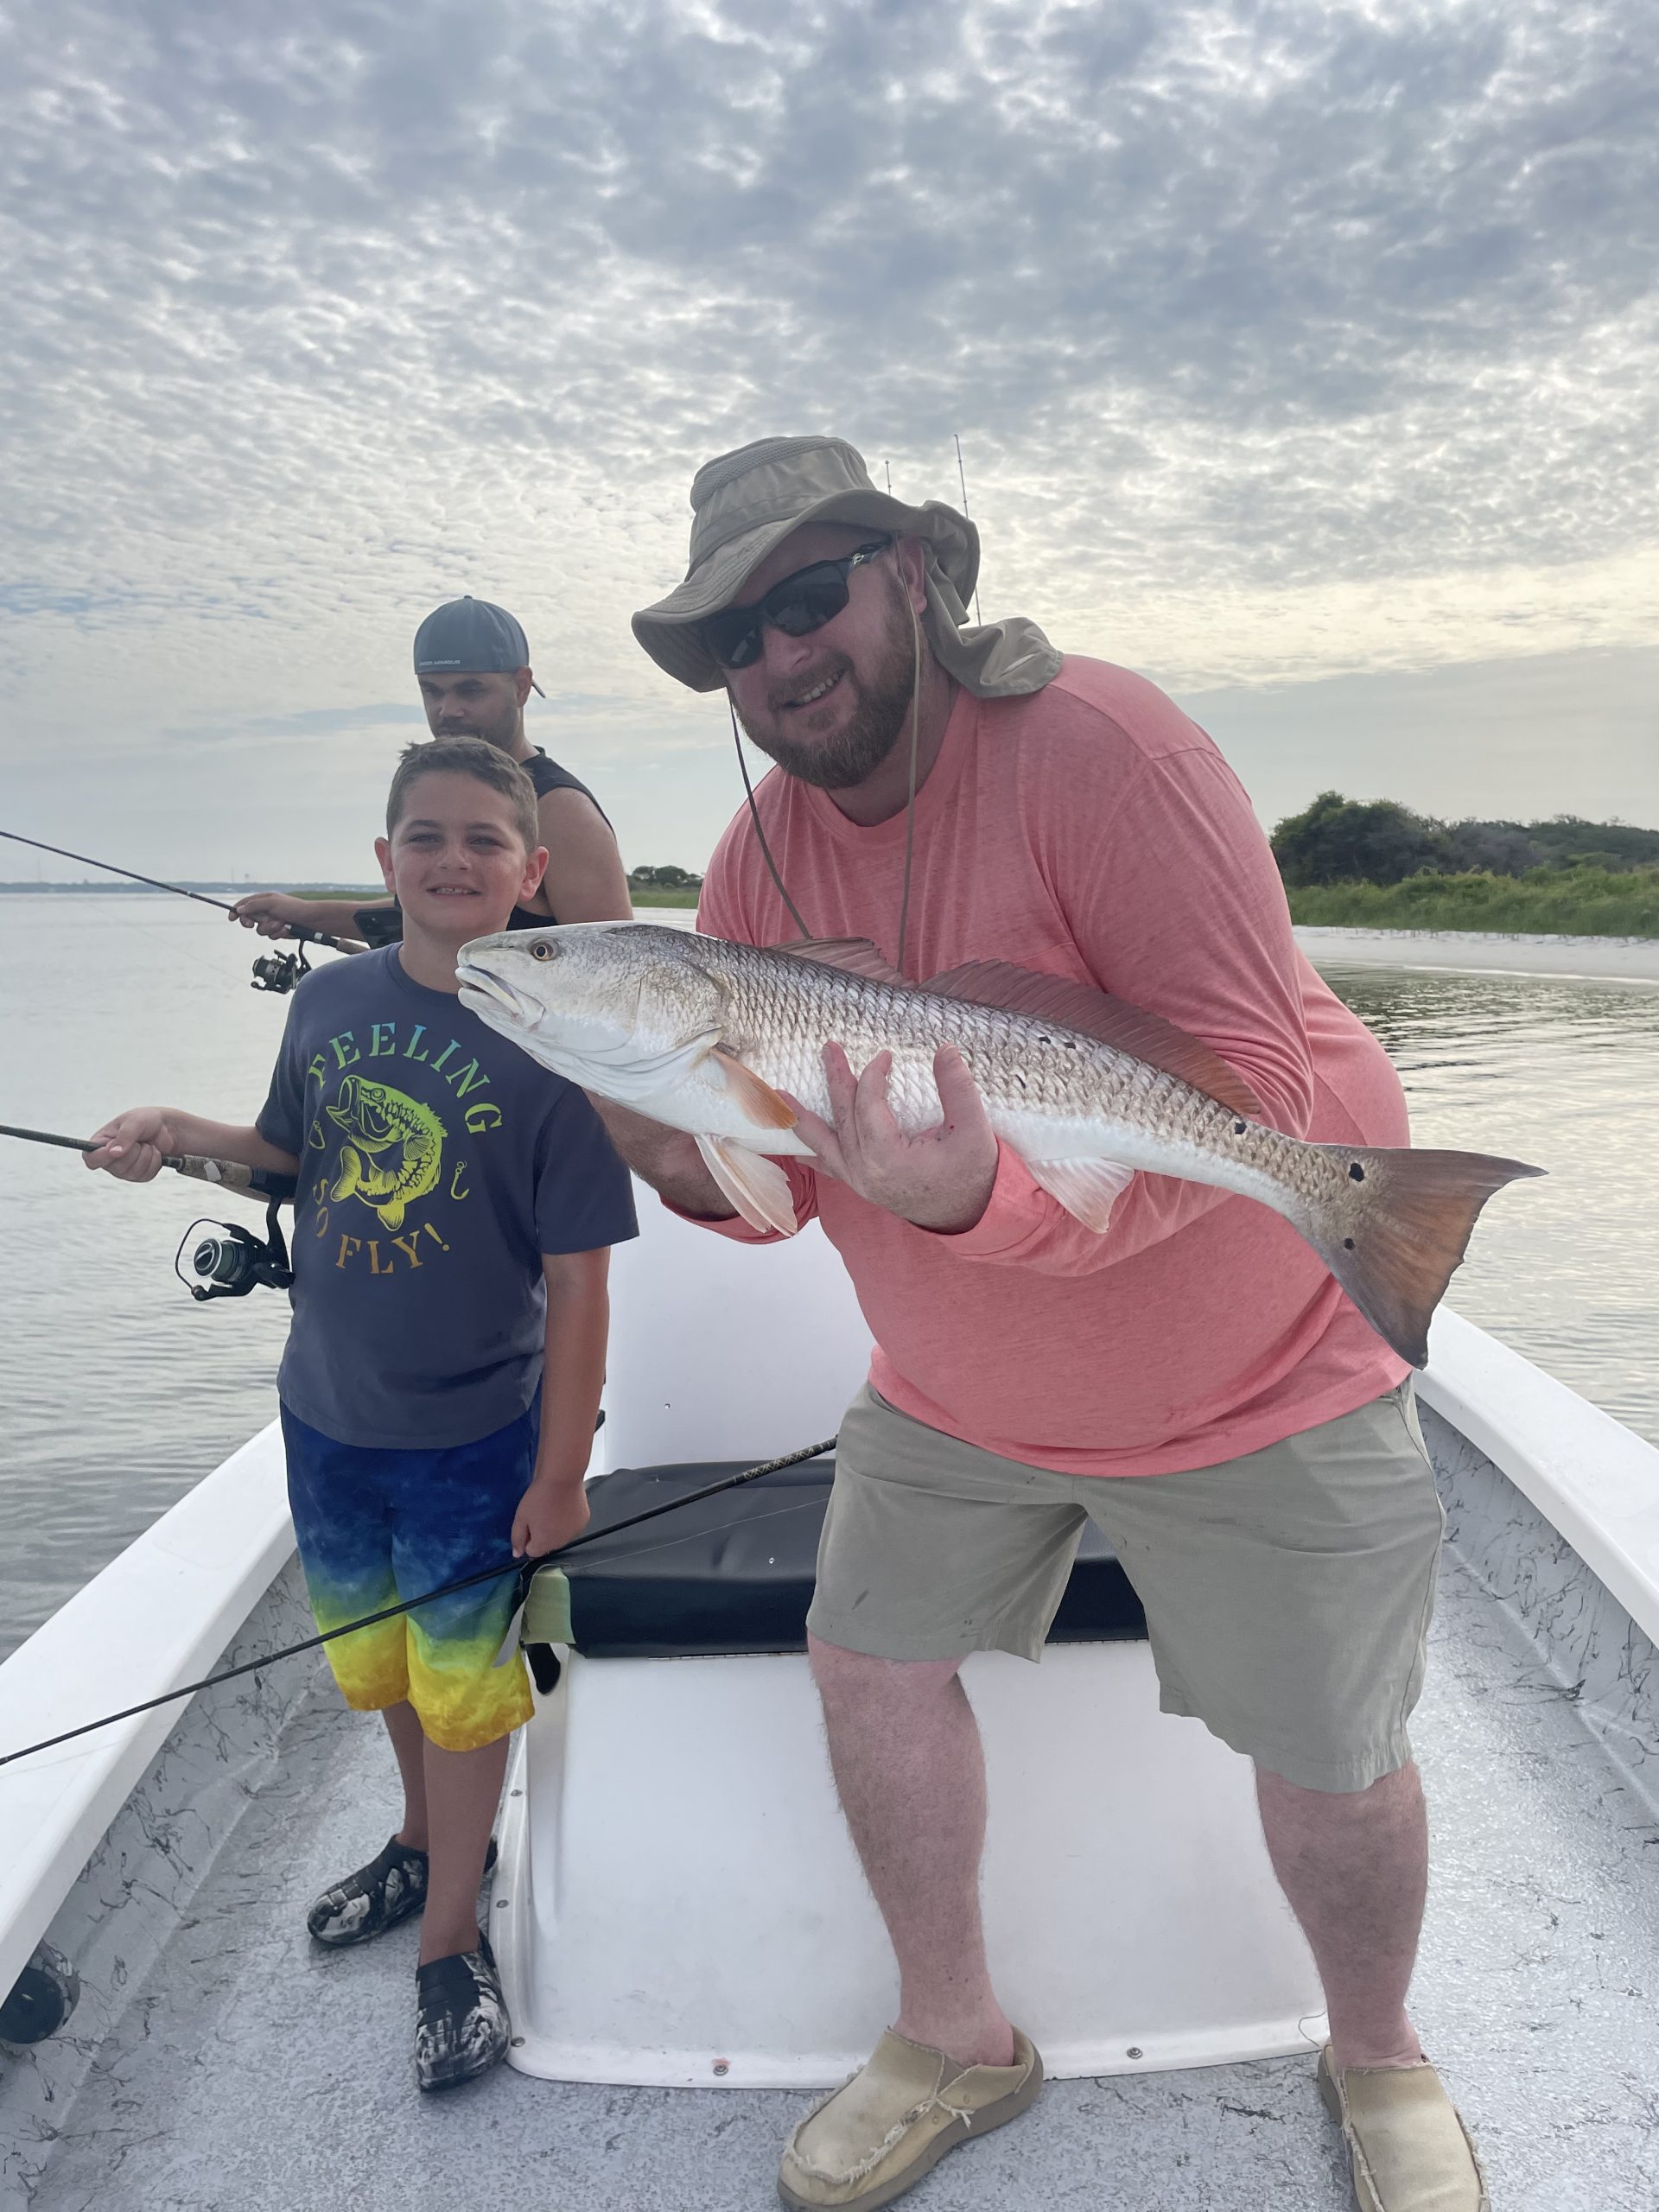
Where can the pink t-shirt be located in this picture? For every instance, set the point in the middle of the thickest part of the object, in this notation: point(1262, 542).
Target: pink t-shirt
point(1092, 830)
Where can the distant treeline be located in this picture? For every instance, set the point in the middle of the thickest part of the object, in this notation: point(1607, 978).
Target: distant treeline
point(1340, 839)
point(1379, 866)
point(663, 886)
point(665, 878)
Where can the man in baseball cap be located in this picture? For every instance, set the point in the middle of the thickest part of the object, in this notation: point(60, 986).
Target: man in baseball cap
point(472, 661)
point(471, 636)
point(1171, 1362)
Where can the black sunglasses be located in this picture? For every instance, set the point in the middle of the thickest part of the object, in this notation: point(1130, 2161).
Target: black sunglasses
point(796, 605)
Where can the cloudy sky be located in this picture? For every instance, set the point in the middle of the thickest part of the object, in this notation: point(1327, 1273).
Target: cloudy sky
point(1302, 357)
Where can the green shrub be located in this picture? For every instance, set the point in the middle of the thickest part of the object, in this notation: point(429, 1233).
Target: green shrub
point(1577, 901)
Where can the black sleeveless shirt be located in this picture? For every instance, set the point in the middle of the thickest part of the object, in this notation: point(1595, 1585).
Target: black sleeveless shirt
point(379, 925)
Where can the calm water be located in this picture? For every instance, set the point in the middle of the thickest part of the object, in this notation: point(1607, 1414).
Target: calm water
point(116, 1392)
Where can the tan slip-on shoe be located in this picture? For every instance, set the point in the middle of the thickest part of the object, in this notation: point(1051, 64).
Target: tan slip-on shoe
point(1410, 2150)
point(895, 2119)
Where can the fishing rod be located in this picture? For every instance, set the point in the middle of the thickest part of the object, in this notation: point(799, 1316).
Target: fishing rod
point(226, 1260)
point(229, 1174)
point(526, 1570)
point(272, 971)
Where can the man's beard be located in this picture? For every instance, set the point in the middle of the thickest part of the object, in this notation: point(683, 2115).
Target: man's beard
point(856, 750)
point(499, 729)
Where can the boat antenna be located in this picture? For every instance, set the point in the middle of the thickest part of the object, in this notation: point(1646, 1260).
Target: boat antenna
point(962, 478)
point(303, 936)
point(525, 1569)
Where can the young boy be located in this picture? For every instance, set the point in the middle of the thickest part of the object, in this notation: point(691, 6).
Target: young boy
point(456, 1208)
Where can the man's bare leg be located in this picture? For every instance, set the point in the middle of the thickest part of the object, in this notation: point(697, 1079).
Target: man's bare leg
point(1355, 1869)
point(462, 1791)
point(409, 1741)
point(911, 1773)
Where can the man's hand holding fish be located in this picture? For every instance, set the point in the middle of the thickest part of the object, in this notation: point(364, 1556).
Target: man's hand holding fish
point(939, 1178)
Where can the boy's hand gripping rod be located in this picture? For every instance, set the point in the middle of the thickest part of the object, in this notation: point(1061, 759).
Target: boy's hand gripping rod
point(228, 1175)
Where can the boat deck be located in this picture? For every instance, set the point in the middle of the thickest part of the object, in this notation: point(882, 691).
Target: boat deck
point(254, 2073)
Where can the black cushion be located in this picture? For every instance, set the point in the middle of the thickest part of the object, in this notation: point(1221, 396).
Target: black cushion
point(736, 1573)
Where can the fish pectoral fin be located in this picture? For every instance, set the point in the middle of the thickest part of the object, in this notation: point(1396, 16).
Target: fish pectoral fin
point(1088, 1189)
point(758, 1100)
point(756, 1186)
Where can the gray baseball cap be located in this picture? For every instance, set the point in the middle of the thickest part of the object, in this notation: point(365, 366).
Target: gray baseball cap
point(472, 635)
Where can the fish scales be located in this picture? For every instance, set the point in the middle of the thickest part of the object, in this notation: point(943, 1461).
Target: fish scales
point(704, 1035)
point(1026, 1070)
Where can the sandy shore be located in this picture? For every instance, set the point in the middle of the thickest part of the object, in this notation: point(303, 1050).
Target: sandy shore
point(1628, 958)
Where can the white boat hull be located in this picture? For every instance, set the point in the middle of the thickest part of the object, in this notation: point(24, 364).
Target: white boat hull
point(683, 1906)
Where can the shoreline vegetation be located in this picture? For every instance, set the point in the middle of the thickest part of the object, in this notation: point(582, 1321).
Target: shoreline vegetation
point(1377, 866)
point(1346, 865)
point(1589, 902)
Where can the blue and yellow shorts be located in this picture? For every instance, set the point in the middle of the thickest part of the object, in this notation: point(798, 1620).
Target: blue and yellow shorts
point(375, 1527)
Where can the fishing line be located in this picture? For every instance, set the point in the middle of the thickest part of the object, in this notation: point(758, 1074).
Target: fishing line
point(596, 1567)
point(525, 1569)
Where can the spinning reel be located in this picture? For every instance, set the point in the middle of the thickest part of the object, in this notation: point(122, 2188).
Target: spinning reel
point(280, 972)
point(225, 1260)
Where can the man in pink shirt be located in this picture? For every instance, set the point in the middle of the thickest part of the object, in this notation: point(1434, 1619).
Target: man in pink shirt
point(957, 793)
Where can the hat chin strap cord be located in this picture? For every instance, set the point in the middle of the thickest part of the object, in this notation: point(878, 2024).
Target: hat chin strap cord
point(754, 817)
point(909, 801)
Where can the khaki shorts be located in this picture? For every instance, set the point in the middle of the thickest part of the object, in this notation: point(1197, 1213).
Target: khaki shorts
point(1287, 1594)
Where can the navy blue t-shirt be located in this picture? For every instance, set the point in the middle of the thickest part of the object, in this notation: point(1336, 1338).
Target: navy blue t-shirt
point(437, 1164)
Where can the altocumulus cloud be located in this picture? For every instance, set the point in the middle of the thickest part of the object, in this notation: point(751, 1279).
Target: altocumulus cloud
point(1286, 342)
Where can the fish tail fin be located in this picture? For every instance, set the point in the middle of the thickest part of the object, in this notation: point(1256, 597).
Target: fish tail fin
point(1401, 1227)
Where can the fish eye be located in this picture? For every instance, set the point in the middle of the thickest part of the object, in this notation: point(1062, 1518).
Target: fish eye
point(541, 950)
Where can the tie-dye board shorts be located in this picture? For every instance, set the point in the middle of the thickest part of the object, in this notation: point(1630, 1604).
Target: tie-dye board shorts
point(375, 1527)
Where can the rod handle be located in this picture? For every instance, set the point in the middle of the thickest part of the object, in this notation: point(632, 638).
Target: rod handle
point(232, 1175)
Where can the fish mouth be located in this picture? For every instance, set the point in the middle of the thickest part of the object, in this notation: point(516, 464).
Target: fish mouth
point(483, 994)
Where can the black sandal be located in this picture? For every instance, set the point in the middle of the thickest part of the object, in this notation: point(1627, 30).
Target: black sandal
point(363, 1906)
point(461, 2027)
point(390, 1889)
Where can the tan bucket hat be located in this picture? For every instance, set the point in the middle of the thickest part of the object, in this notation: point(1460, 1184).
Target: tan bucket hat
point(747, 502)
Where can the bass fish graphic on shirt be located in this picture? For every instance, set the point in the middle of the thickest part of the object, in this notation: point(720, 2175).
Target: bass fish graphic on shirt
point(393, 1149)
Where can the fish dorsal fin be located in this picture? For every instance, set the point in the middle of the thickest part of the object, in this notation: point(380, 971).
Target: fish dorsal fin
point(1127, 1028)
point(857, 954)
point(757, 1099)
